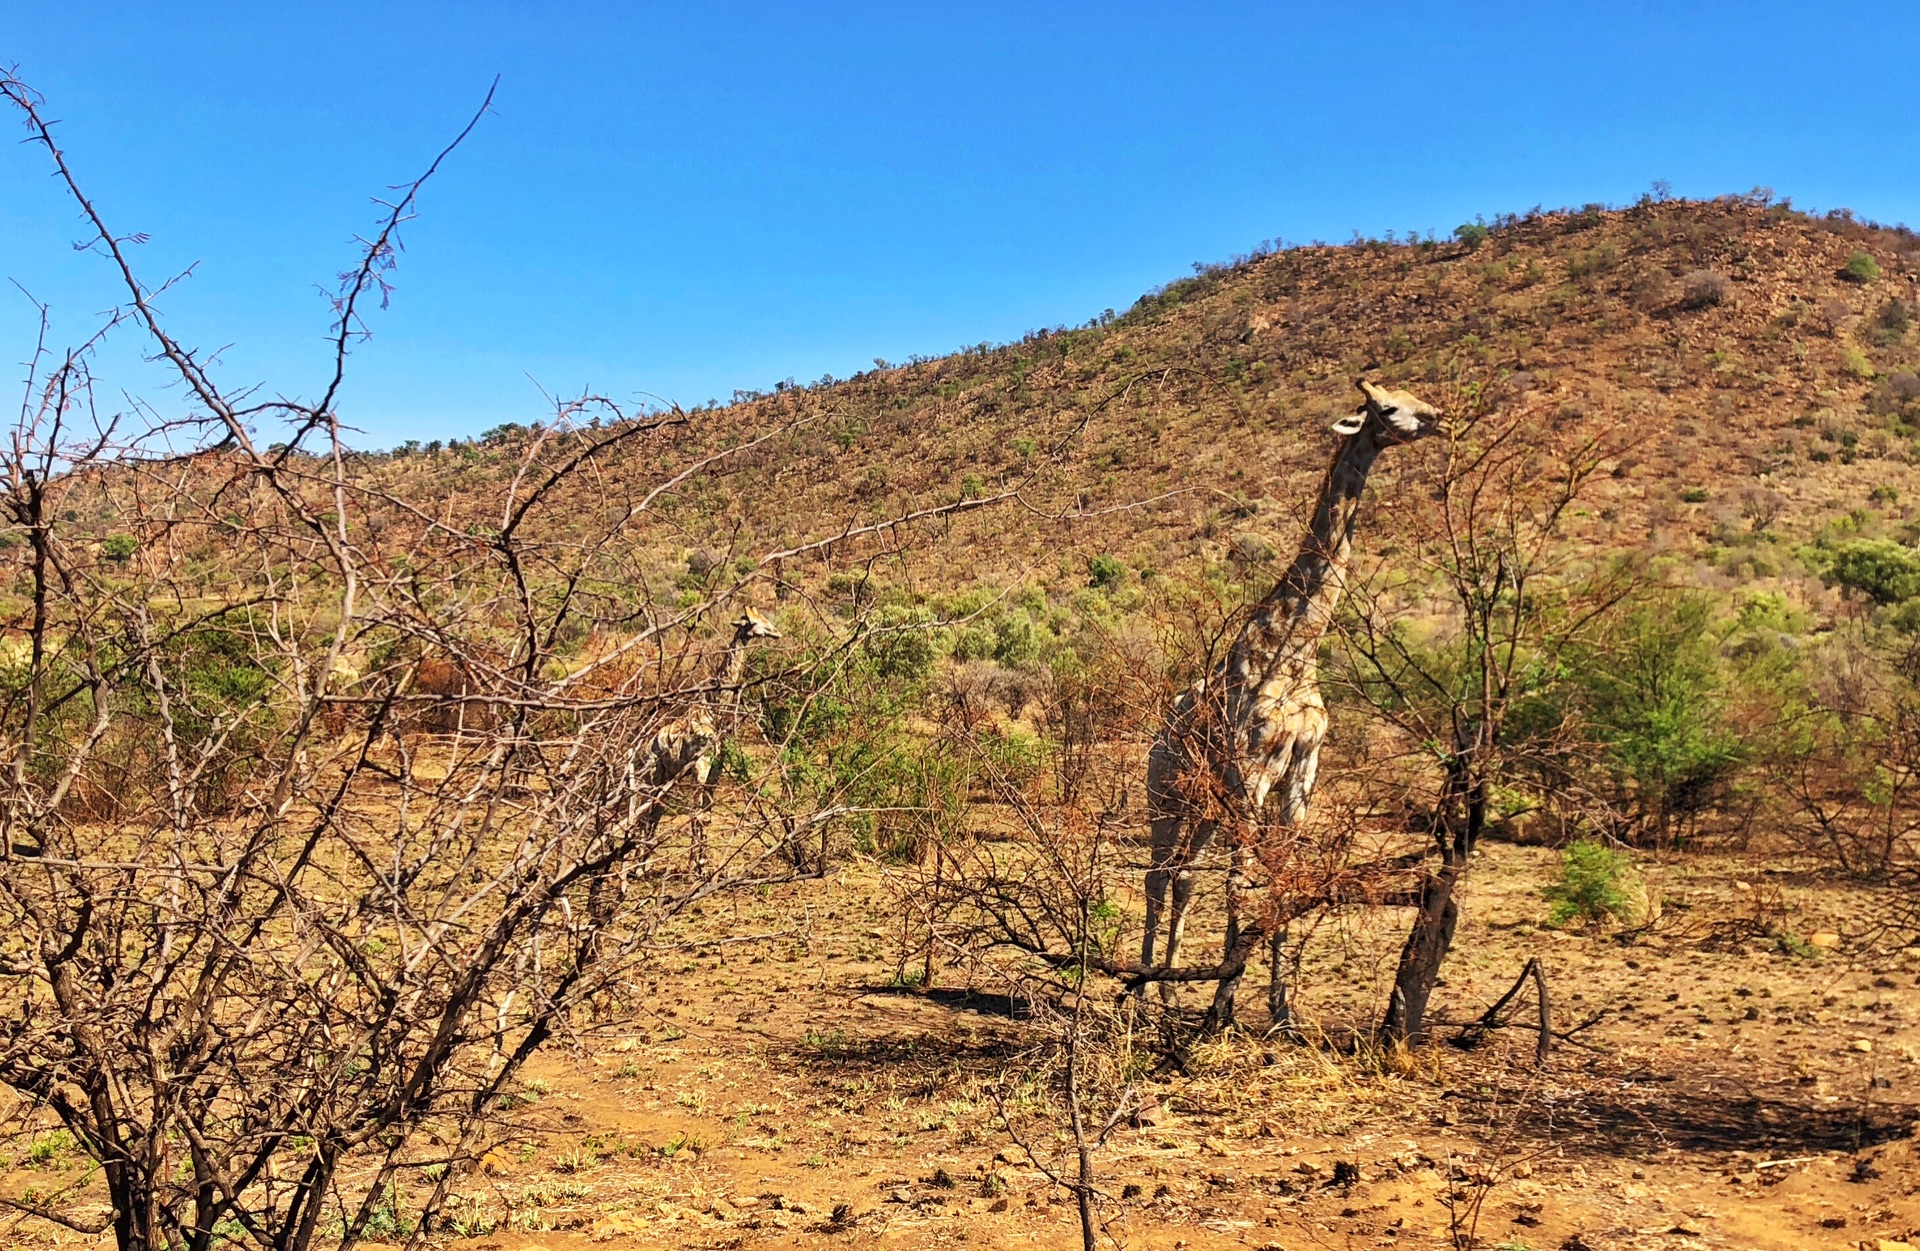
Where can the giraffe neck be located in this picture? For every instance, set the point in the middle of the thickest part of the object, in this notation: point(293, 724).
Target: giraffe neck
point(733, 666)
point(1282, 637)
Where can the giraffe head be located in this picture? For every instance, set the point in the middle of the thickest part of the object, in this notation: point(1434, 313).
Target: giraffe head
point(752, 625)
point(1393, 416)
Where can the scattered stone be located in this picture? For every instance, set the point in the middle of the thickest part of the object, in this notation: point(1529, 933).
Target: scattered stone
point(1862, 1044)
point(627, 1226)
point(1826, 940)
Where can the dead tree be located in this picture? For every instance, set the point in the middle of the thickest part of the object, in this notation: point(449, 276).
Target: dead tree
point(269, 964)
point(1486, 541)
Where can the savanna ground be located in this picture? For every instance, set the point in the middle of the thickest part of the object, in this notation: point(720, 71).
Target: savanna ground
point(1731, 1079)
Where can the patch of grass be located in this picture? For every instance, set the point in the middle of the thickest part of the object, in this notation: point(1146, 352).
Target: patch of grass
point(678, 1144)
point(825, 1042)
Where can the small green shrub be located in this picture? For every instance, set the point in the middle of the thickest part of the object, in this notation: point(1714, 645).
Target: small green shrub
point(119, 547)
point(1596, 884)
point(1860, 268)
point(1105, 572)
point(46, 1149)
point(1473, 234)
point(1694, 495)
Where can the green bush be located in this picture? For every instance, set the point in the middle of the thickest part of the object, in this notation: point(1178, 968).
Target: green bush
point(1884, 571)
point(120, 547)
point(973, 642)
point(1651, 693)
point(901, 645)
point(1860, 268)
point(1105, 572)
point(1473, 234)
point(1596, 883)
point(1018, 640)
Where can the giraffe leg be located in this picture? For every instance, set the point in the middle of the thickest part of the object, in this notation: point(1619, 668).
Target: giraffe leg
point(1165, 845)
point(1182, 895)
point(1157, 882)
point(705, 773)
point(1177, 927)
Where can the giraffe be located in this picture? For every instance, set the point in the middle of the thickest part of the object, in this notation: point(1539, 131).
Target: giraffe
point(1251, 728)
point(686, 748)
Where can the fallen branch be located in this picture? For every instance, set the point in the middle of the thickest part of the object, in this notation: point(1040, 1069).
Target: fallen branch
point(1490, 1020)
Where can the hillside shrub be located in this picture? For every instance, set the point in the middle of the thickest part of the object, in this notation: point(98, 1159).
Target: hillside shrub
point(1018, 640)
point(1105, 572)
point(1704, 288)
point(1898, 393)
point(1254, 549)
point(1473, 234)
point(119, 548)
point(1860, 268)
point(1596, 884)
point(1884, 571)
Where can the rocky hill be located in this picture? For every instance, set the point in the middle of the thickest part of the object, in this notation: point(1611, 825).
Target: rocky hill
point(1756, 363)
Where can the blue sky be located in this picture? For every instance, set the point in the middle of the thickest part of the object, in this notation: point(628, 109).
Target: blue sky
point(681, 200)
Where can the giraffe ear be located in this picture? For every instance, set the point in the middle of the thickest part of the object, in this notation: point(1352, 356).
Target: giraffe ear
point(1350, 424)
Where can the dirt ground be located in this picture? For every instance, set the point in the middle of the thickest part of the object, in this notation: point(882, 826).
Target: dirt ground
point(1721, 1088)
point(1734, 1091)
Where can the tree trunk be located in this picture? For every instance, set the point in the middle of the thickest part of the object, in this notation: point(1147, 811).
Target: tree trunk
point(1421, 958)
point(1279, 1011)
point(1233, 966)
point(1084, 1193)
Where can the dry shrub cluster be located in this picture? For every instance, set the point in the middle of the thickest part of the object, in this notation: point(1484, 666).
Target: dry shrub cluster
point(299, 872)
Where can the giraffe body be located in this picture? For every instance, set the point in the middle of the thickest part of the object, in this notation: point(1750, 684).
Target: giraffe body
point(685, 751)
point(1249, 732)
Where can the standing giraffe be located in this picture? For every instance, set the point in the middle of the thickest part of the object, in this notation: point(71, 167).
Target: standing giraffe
point(1252, 726)
point(686, 750)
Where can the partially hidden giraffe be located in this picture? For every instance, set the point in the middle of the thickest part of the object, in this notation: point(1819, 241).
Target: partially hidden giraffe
point(1251, 728)
point(685, 753)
